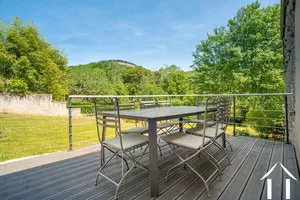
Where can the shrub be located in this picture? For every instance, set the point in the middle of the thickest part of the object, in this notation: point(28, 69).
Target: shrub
point(17, 86)
point(242, 133)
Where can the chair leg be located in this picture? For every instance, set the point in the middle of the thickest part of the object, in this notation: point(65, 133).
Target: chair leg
point(136, 163)
point(117, 155)
point(119, 184)
point(229, 145)
point(124, 157)
point(214, 162)
point(181, 163)
point(101, 168)
point(205, 182)
point(184, 161)
point(222, 149)
point(159, 149)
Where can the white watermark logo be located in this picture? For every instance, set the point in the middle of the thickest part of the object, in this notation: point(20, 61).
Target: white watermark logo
point(287, 182)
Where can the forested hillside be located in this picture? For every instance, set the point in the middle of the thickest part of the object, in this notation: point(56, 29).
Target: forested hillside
point(108, 77)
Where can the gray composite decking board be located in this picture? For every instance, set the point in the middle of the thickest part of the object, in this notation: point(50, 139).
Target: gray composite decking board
point(238, 182)
point(51, 181)
point(179, 176)
point(52, 166)
point(90, 190)
point(290, 164)
point(276, 175)
point(76, 172)
point(55, 169)
point(162, 176)
point(177, 189)
point(70, 180)
point(254, 186)
point(22, 178)
point(195, 190)
point(96, 192)
point(174, 179)
point(217, 187)
point(89, 180)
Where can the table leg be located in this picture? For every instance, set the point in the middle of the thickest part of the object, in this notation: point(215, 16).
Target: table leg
point(180, 124)
point(153, 161)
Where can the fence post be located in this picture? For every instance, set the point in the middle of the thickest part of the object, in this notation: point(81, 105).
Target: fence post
point(198, 104)
point(286, 119)
point(70, 124)
point(234, 115)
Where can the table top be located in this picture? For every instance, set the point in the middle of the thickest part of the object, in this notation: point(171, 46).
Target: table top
point(159, 113)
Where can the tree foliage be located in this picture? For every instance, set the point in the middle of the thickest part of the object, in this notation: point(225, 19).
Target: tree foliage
point(28, 64)
point(112, 78)
point(245, 56)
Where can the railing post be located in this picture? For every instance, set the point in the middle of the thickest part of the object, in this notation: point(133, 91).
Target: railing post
point(198, 104)
point(234, 115)
point(70, 123)
point(286, 119)
point(170, 101)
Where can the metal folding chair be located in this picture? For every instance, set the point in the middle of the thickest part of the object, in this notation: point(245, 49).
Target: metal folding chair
point(137, 129)
point(225, 106)
point(168, 126)
point(197, 143)
point(108, 116)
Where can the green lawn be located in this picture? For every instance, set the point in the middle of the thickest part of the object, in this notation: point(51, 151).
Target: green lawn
point(28, 135)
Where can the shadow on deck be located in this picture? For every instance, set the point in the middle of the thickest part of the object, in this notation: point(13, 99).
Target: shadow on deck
point(74, 178)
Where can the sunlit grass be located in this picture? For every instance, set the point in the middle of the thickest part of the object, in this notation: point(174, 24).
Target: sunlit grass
point(28, 135)
point(252, 132)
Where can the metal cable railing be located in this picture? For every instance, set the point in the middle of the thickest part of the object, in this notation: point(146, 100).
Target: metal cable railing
point(261, 115)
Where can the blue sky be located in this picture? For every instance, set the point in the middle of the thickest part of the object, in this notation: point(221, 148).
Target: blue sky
point(151, 33)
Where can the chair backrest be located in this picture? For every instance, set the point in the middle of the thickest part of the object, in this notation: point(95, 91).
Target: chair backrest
point(108, 117)
point(147, 104)
point(211, 116)
point(163, 103)
point(225, 107)
point(130, 105)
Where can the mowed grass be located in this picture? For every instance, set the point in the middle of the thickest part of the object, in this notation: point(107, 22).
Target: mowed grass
point(29, 135)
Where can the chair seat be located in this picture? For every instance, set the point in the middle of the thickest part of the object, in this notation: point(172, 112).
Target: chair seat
point(138, 130)
point(210, 132)
point(129, 141)
point(186, 140)
point(200, 122)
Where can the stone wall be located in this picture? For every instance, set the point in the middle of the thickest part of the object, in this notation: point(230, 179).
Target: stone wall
point(289, 61)
point(35, 104)
point(297, 88)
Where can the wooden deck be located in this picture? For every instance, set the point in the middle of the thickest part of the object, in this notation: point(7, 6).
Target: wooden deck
point(74, 178)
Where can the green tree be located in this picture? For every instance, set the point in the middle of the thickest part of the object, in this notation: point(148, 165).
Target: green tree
point(30, 63)
point(245, 56)
point(89, 81)
point(135, 78)
point(173, 80)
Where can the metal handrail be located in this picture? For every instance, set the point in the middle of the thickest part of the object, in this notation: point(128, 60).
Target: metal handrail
point(237, 101)
point(177, 95)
